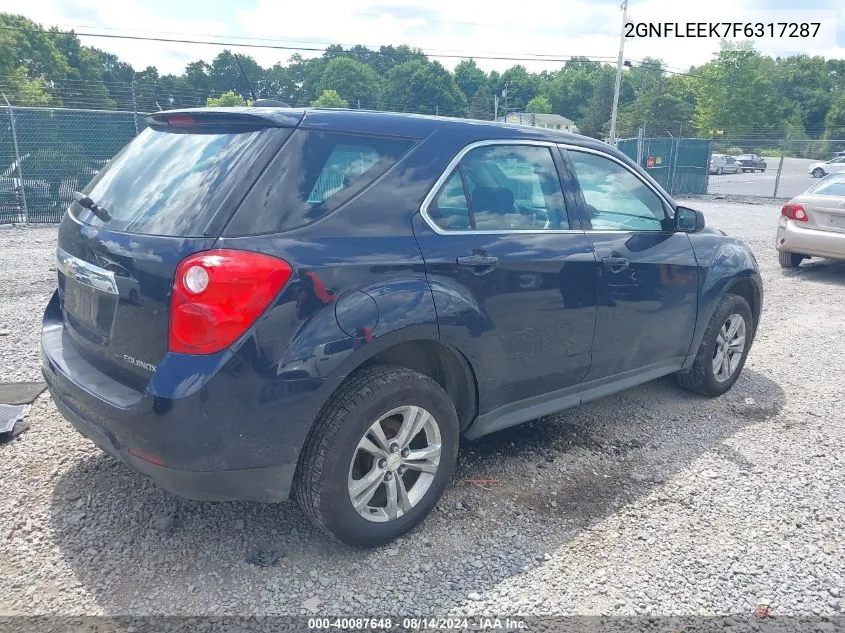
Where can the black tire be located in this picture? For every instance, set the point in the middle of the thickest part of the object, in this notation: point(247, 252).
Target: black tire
point(719, 171)
point(133, 296)
point(321, 483)
point(700, 378)
point(818, 172)
point(790, 260)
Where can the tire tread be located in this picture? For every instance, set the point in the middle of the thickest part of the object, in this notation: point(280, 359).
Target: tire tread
point(318, 448)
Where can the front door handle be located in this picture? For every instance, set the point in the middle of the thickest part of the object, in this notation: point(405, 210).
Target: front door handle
point(616, 264)
point(481, 263)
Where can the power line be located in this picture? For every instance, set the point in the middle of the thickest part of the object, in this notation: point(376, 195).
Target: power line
point(528, 57)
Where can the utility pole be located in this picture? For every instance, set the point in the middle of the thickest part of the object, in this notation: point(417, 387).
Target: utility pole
point(619, 63)
point(505, 97)
point(496, 107)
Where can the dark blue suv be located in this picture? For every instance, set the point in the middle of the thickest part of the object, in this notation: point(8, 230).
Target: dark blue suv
point(260, 302)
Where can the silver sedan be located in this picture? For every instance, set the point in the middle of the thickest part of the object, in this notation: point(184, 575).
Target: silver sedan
point(813, 224)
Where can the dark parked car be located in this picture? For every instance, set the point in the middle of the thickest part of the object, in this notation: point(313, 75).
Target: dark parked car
point(329, 299)
point(751, 162)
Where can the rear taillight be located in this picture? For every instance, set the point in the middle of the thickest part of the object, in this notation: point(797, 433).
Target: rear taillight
point(794, 212)
point(218, 294)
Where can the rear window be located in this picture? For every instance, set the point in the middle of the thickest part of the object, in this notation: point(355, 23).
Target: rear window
point(311, 176)
point(164, 181)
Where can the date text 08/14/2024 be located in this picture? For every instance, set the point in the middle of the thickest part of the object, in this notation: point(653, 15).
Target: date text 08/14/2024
point(457, 623)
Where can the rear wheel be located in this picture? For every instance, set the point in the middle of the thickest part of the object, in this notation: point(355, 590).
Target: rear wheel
point(818, 172)
point(723, 350)
point(790, 260)
point(719, 171)
point(380, 456)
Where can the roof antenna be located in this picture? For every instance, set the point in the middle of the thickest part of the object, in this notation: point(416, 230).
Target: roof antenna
point(245, 76)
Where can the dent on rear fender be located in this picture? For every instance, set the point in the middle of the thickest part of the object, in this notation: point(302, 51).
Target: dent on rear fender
point(358, 325)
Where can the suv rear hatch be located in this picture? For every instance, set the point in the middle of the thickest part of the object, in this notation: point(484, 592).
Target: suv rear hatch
point(168, 194)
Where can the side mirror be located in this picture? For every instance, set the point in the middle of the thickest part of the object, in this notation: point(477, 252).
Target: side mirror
point(688, 220)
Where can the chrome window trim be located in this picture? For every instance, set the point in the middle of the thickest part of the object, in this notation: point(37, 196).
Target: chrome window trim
point(435, 189)
point(86, 273)
point(549, 144)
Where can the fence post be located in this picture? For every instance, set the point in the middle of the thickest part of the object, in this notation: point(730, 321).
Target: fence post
point(134, 107)
point(640, 136)
point(780, 166)
point(17, 159)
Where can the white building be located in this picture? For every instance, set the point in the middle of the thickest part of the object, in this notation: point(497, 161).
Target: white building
point(548, 121)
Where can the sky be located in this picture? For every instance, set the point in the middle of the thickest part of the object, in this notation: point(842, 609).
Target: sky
point(558, 28)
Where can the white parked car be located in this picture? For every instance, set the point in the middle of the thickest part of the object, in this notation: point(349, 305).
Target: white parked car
point(723, 164)
point(813, 224)
point(833, 166)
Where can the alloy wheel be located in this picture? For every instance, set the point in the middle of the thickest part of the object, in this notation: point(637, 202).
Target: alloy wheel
point(394, 464)
point(730, 345)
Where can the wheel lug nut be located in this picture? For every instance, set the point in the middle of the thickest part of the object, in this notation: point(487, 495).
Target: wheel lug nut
point(402, 470)
point(388, 476)
point(382, 463)
point(394, 448)
point(406, 452)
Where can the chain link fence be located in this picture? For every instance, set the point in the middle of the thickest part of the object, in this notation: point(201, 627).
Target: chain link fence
point(788, 165)
point(680, 165)
point(48, 153)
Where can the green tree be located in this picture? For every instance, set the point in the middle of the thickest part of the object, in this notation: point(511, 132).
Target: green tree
point(197, 76)
point(225, 73)
point(329, 99)
point(804, 82)
point(84, 86)
point(522, 86)
point(573, 87)
point(226, 100)
point(835, 124)
point(736, 93)
point(423, 87)
point(470, 78)
point(482, 105)
point(26, 92)
point(353, 81)
point(540, 105)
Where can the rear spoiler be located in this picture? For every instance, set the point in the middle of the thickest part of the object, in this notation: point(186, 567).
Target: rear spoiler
point(226, 117)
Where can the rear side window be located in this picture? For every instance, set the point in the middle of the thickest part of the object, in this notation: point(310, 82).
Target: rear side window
point(311, 176)
point(164, 182)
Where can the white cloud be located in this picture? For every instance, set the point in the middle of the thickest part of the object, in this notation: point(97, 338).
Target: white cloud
point(559, 28)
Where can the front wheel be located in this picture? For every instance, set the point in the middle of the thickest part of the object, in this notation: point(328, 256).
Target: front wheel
point(818, 172)
point(379, 457)
point(723, 350)
point(719, 171)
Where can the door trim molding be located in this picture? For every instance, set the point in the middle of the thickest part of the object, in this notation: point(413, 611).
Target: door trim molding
point(532, 408)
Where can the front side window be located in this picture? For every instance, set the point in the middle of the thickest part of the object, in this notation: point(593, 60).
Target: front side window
point(450, 210)
point(504, 188)
point(616, 199)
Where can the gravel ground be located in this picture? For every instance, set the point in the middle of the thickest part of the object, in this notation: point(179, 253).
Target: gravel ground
point(648, 502)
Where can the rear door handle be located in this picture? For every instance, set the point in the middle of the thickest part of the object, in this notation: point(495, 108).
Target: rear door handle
point(480, 263)
point(616, 264)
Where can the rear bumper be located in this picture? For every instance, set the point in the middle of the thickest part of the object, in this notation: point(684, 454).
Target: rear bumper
point(237, 437)
point(807, 241)
point(257, 484)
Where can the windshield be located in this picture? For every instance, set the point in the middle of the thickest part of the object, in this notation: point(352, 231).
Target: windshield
point(163, 181)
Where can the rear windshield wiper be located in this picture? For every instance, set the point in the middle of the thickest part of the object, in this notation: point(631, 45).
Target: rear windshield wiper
point(86, 202)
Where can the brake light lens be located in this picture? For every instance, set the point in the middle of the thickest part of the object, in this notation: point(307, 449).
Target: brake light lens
point(794, 212)
point(181, 119)
point(218, 295)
